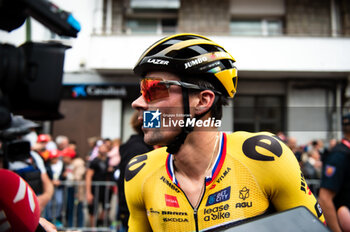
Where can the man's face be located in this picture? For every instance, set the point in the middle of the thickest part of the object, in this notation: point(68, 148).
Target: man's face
point(170, 105)
point(103, 149)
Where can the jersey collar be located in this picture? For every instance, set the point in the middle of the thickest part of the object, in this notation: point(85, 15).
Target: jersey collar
point(216, 167)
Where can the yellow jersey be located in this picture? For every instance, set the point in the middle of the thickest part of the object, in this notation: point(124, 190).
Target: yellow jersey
point(252, 174)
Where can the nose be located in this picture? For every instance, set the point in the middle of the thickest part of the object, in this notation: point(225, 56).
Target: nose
point(139, 103)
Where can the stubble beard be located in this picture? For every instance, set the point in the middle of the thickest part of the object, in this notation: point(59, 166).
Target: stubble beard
point(157, 136)
point(153, 136)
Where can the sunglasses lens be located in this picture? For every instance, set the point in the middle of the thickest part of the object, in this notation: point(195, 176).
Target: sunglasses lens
point(153, 90)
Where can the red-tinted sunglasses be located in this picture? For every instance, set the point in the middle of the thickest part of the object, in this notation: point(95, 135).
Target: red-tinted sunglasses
point(154, 89)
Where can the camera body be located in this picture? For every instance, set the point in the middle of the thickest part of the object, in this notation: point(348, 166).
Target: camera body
point(31, 74)
point(31, 79)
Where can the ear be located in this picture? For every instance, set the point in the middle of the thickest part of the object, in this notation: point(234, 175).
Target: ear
point(203, 101)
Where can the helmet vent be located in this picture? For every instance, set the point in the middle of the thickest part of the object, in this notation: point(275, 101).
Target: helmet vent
point(158, 49)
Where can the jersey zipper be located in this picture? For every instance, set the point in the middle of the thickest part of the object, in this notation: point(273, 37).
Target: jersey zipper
point(195, 209)
point(195, 218)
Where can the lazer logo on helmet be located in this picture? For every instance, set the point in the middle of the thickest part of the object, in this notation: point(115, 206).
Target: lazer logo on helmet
point(158, 61)
point(195, 62)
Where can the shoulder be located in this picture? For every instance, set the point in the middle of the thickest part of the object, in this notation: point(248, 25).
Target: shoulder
point(340, 148)
point(263, 146)
point(143, 165)
point(244, 135)
point(94, 163)
point(338, 155)
point(39, 161)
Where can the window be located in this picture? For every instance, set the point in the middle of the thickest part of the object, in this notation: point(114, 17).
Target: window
point(259, 113)
point(141, 26)
point(256, 27)
point(152, 17)
point(151, 26)
point(170, 4)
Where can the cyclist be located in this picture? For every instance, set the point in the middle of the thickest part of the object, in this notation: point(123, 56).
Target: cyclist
point(202, 178)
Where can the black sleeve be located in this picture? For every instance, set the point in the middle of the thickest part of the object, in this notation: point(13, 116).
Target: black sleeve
point(93, 164)
point(333, 171)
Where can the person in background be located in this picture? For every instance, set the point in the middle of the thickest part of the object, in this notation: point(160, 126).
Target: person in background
point(327, 150)
point(108, 142)
point(55, 169)
point(62, 142)
point(95, 150)
point(96, 195)
point(293, 146)
point(74, 172)
point(91, 141)
point(113, 154)
point(334, 194)
point(79, 170)
point(73, 145)
point(40, 146)
point(312, 164)
point(51, 145)
point(132, 147)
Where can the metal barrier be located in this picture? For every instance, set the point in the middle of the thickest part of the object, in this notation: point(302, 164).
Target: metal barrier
point(68, 208)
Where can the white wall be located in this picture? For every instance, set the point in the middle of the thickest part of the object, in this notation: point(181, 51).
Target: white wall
point(111, 118)
point(307, 114)
point(291, 54)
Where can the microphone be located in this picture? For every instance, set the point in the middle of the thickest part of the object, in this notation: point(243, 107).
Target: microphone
point(19, 206)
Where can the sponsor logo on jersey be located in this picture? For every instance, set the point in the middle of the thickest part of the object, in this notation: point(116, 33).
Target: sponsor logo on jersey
point(244, 204)
point(158, 61)
point(175, 220)
point(152, 211)
point(174, 213)
point(169, 184)
point(304, 186)
point(222, 195)
point(216, 213)
point(171, 201)
point(151, 119)
point(223, 175)
point(329, 170)
point(134, 167)
point(266, 142)
point(318, 209)
point(244, 193)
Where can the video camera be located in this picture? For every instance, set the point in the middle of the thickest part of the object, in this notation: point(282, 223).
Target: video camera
point(31, 74)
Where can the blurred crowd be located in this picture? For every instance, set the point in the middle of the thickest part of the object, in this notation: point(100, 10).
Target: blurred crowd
point(311, 155)
point(63, 164)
